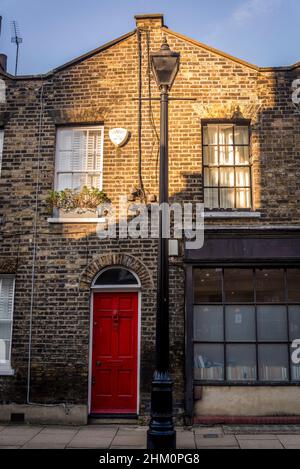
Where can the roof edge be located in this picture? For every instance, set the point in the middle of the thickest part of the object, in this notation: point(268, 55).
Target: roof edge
point(228, 56)
point(75, 61)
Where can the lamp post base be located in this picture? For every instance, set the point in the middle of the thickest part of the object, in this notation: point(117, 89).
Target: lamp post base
point(161, 433)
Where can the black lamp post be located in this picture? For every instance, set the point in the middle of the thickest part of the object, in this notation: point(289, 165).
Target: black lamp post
point(161, 433)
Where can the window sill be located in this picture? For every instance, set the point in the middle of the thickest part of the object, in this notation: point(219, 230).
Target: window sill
point(6, 371)
point(76, 220)
point(233, 214)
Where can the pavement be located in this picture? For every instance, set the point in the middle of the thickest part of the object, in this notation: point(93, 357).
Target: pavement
point(134, 437)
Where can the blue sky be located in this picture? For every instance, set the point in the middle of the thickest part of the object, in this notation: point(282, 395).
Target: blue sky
point(264, 32)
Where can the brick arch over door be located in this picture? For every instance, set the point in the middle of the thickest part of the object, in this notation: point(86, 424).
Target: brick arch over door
point(110, 260)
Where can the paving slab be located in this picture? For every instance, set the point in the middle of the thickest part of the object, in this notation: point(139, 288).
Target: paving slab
point(97, 432)
point(29, 430)
point(80, 441)
point(287, 440)
point(185, 440)
point(208, 430)
point(219, 442)
point(129, 440)
point(260, 444)
point(51, 439)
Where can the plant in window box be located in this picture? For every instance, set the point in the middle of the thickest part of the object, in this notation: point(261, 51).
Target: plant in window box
point(70, 203)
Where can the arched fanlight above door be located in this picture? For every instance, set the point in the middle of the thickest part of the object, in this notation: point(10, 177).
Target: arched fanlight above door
point(116, 277)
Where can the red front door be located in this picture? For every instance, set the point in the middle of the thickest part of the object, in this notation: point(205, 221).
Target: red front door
point(114, 361)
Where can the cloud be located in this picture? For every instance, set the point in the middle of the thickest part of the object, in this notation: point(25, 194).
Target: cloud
point(246, 12)
point(251, 9)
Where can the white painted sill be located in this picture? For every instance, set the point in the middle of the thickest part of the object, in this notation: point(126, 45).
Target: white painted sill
point(233, 214)
point(6, 371)
point(76, 220)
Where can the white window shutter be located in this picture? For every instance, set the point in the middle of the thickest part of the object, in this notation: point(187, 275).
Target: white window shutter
point(79, 153)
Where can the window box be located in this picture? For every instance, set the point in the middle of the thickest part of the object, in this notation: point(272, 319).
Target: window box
point(79, 213)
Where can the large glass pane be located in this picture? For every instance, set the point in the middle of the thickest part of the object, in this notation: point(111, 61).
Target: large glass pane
point(5, 330)
point(242, 177)
point(240, 323)
point(272, 323)
point(208, 323)
point(6, 297)
point(227, 198)
point(210, 155)
point(212, 134)
point(241, 155)
point(227, 177)
point(241, 362)
point(243, 198)
point(64, 161)
point(211, 198)
point(79, 150)
point(270, 286)
point(273, 362)
point(294, 318)
point(293, 280)
point(93, 150)
point(238, 285)
point(64, 181)
point(79, 181)
point(211, 176)
point(207, 285)
point(4, 351)
point(226, 155)
point(295, 365)
point(209, 362)
point(241, 135)
point(205, 135)
point(225, 134)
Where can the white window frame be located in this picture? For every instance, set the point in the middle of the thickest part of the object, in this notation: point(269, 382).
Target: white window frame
point(57, 153)
point(5, 368)
point(1, 147)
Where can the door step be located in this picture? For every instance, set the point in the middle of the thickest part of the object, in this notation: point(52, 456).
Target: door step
point(127, 419)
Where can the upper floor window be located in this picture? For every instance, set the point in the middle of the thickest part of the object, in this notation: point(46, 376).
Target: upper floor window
point(79, 154)
point(227, 166)
point(1, 147)
point(6, 317)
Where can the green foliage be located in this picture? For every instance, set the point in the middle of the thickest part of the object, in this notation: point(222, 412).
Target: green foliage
point(69, 199)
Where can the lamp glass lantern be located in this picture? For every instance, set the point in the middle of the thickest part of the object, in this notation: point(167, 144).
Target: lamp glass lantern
point(165, 66)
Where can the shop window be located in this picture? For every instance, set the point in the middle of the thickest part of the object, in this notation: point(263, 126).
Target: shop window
point(245, 321)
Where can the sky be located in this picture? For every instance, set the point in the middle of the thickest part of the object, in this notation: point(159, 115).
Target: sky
point(262, 32)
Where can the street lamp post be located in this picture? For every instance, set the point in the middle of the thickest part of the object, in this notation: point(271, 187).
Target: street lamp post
point(161, 433)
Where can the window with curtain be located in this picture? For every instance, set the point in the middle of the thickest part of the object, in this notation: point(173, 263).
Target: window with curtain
point(6, 318)
point(1, 147)
point(245, 321)
point(79, 154)
point(226, 166)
